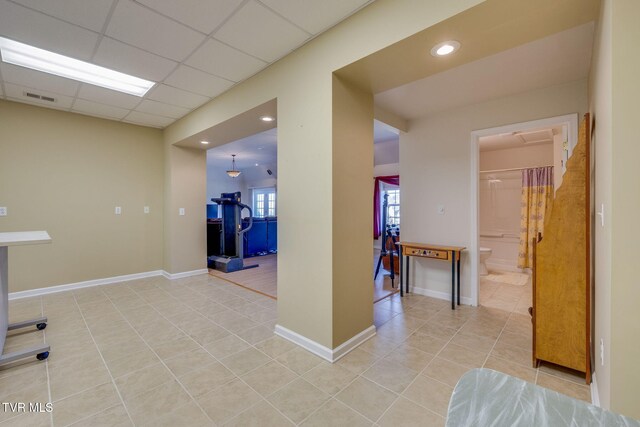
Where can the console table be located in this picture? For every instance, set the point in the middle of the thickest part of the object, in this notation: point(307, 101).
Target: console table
point(427, 250)
point(17, 239)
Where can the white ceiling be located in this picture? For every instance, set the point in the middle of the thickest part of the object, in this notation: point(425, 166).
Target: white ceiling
point(553, 60)
point(193, 49)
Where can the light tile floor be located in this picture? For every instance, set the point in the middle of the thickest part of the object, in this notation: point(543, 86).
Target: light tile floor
point(200, 351)
point(505, 296)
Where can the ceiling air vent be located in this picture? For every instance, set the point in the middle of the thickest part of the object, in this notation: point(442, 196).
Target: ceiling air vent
point(41, 97)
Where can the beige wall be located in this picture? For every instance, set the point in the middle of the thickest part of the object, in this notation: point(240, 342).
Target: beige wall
point(302, 84)
point(625, 205)
point(352, 211)
point(600, 106)
point(435, 167)
point(65, 173)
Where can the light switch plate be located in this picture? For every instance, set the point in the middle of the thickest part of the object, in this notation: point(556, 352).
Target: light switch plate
point(118, 210)
point(440, 209)
point(3, 211)
point(181, 211)
point(146, 209)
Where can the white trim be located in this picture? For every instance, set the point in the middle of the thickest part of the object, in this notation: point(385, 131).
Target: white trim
point(174, 276)
point(80, 285)
point(570, 120)
point(104, 281)
point(330, 355)
point(595, 397)
point(440, 295)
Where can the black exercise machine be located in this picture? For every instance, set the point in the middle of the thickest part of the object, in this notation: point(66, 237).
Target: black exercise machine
point(390, 233)
point(231, 234)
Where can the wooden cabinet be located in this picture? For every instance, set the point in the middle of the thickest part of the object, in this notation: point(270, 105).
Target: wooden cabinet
point(562, 267)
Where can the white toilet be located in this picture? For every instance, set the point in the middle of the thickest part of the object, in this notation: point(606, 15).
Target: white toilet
point(485, 253)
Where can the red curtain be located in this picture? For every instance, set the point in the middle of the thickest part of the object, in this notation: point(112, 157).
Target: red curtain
point(377, 218)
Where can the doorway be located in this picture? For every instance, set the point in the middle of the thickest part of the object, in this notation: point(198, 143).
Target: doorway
point(499, 279)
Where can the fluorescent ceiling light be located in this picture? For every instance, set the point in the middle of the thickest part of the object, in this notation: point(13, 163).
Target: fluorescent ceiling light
point(445, 48)
point(204, 142)
point(23, 55)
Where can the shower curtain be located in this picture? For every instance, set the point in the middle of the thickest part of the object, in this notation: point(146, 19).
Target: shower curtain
point(537, 196)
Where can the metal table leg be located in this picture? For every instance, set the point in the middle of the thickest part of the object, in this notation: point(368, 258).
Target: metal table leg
point(453, 280)
point(459, 256)
point(401, 272)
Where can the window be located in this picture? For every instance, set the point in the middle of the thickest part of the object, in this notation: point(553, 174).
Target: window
point(393, 208)
point(264, 202)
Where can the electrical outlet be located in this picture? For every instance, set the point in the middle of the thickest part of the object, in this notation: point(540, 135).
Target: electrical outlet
point(181, 211)
point(440, 209)
point(146, 209)
point(601, 351)
point(3, 211)
point(118, 210)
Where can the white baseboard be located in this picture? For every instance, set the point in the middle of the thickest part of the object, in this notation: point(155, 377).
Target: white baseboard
point(104, 281)
point(440, 295)
point(184, 274)
point(80, 285)
point(595, 397)
point(330, 355)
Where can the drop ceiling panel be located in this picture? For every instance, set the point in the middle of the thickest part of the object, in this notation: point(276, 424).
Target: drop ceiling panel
point(197, 81)
point(16, 93)
point(28, 26)
point(145, 119)
point(203, 15)
point(172, 95)
point(150, 31)
point(36, 79)
point(127, 59)
point(257, 30)
point(88, 14)
point(230, 63)
point(312, 15)
point(96, 109)
point(161, 109)
point(109, 97)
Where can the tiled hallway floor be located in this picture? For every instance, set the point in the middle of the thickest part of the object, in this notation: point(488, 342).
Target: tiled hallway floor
point(200, 351)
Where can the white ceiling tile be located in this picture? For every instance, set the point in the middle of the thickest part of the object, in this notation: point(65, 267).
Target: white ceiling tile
point(148, 119)
point(171, 95)
point(196, 81)
point(161, 109)
point(38, 80)
point(16, 93)
point(148, 30)
point(203, 15)
point(109, 97)
point(312, 15)
point(127, 59)
point(34, 28)
point(89, 14)
point(224, 61)
point(100, 110)
point(260, 32)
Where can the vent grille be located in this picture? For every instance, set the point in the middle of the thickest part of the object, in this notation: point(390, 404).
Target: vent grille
point(41, 97)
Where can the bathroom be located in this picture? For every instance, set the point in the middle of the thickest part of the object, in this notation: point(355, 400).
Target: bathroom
point(511, 166)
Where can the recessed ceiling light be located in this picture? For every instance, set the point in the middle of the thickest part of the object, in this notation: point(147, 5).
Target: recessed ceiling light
point(267, 118)
point(259, 148)
point(204, 142)
point(445, 48)
point(24, 55)
point(256, 164)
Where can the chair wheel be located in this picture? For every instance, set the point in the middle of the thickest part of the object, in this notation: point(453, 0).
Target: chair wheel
point(42, 356)
point(41, 326)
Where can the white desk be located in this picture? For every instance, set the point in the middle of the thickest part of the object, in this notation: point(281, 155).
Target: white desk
point(18, 239)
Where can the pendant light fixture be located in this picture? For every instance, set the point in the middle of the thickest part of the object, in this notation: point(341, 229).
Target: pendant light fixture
point(233, 173)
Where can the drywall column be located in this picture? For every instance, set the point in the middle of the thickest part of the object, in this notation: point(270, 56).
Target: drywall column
point(185, 243)
point(600, 107)
point(625, 228)
point(352, 162)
